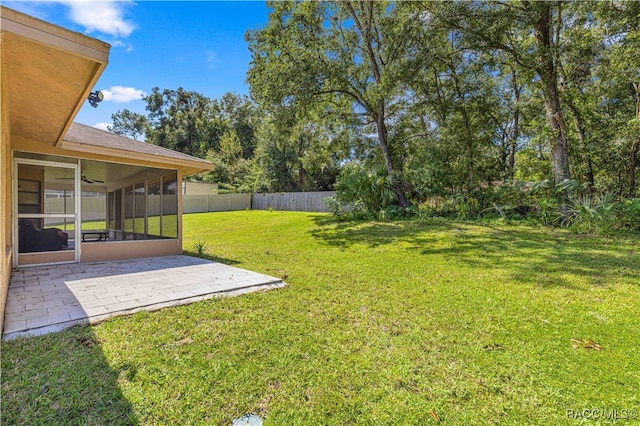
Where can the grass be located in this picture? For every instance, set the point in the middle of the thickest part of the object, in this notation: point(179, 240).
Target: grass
point(382, 323)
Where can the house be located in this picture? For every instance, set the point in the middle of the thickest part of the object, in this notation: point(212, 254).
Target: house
point(46, 76)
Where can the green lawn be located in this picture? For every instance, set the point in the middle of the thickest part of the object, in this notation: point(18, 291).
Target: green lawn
point(382, 323)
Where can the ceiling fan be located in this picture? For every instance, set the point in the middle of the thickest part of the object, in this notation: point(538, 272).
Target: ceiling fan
point(84, 179)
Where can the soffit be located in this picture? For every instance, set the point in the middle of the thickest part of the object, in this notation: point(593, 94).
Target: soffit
point(49, 73)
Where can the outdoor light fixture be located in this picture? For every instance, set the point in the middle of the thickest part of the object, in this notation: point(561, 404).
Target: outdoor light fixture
point(95, 98)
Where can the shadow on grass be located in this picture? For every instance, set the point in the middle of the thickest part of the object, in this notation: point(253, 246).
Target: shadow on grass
point(211, 257)
point(63, 378)
point(545, 257)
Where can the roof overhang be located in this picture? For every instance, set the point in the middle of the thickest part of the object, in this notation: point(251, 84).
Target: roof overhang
point(87, 142)
point(48, 73)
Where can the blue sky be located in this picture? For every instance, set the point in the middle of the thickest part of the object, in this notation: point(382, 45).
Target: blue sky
point(169, 44)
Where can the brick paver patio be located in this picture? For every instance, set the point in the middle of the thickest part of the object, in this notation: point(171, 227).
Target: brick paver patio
point(45, 299)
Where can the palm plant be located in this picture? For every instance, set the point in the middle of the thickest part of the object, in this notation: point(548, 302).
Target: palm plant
point(368, 190)
point(589, 213)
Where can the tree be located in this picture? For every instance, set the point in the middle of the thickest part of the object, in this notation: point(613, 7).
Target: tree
point(230, 148)
point(620, 68)
point(128, 123)
point(184, 121)
point(582, 48)
point(277, 156)
point(541, 13)
point(527, 32)
point(240, 114)
point(342, 58)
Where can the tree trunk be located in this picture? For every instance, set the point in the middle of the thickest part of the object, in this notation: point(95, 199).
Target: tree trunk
point(469, 146)
point(559, 148)
point(636, 145)
point(366, 29)
point(513, 140)
point(546, 69)
point(633, 163)
point(384, 147)
point(468, 137)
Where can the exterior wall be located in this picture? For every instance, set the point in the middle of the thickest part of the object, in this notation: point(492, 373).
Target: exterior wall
point(46, 257)
point(116, 250)
point(6, 239)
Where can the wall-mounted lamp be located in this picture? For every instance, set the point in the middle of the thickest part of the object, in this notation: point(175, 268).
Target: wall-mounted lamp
point(95, 98)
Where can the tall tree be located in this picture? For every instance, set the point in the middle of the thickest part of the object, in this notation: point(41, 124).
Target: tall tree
point(183, 121)
point(542, 15)
point(582, 48)
point(128, 123)
point(230, 148)
point(621, 70)
point(240, 114)
point(342, 57)
point(527, 32)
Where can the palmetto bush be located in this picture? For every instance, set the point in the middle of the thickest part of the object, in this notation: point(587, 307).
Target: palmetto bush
point(365, 190)
point(591, 213)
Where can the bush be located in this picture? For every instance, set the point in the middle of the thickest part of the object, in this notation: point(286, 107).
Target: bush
point(465, 207)
point(393, 212)
point(593, 214)
point(336, 207)
point(548, 211)
point(364, 190)
point(628, 214)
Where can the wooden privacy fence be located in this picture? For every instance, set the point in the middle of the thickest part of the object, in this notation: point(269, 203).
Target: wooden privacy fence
point(293, 201)
point(289, 201)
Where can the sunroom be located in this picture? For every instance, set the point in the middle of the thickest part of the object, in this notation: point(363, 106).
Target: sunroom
point(99, 196)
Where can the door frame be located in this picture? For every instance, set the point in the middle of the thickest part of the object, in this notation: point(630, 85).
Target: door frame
point(77, 219)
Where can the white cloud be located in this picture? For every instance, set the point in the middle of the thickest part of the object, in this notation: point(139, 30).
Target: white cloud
point(102, 126)
point(104, 16)
point(123, 94)
point(128, 46)
point(211, 58)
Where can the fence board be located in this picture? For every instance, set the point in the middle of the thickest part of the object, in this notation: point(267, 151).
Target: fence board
point(293, 201)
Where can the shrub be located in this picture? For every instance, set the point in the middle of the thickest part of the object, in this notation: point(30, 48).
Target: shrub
point(628, 214)
point(548, 211)
point(368, 190)
point(591, 213)
point(394, 212)
point(336, 207)
point(463, 206)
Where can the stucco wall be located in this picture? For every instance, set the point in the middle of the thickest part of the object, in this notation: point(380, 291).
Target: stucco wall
point(114, 250)
point(5, 192)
